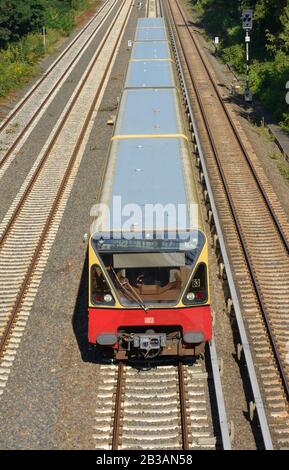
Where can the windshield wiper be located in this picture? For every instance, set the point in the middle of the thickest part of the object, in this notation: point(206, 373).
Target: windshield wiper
point(130, 292)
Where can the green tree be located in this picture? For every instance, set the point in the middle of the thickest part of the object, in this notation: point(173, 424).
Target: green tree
point(269, 45)
point(20, 17)
point(5, 26)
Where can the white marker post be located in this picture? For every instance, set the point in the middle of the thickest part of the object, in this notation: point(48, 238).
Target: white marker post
point(248, 92)
point(216, 42)
point(44, 36)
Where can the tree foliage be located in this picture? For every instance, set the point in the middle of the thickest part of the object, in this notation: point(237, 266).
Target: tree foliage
point(20, 17)
point(21, 42)
point(269, 44)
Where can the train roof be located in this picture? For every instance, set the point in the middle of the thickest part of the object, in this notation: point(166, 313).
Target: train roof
point(150, 50)
point(149, 160)
point(150, 22)
point(135, 160)
point(150, 73)
point(141, 162)
point(149, 112)
point(151, 34)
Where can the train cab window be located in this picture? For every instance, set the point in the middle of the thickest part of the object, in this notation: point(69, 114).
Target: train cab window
point(197, 292)
point(151, 272)
point(100, 290)
point(148, 277)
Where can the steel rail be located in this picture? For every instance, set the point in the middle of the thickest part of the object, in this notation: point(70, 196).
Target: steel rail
point(6, 335)
point(49, 70)
point(237, 136)
point(184, 420)
point(50, 93)
point(240, 323)
point(161, 9)
point(247, 256)
point(117, 410)
point(223, 422)
point(226, 439)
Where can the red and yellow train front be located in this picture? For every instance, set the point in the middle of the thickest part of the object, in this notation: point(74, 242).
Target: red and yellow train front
point(149, 297)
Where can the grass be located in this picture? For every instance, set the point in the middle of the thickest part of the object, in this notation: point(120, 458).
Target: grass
point(282, 165)
point(12, 128)
point(274, 155)
point(263, 131)
point(284, 170)
point(85, 6)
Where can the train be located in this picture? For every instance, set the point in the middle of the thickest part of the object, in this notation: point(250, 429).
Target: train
point(148, 264)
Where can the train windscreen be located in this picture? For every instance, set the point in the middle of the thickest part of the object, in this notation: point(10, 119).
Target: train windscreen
point(150, 272)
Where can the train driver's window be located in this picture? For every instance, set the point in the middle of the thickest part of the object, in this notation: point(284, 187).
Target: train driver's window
point(100, 290)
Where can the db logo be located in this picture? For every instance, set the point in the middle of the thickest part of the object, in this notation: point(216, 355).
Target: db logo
point(149, 320)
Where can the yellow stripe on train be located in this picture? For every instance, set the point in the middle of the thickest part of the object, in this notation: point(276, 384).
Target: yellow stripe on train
point(150, 136)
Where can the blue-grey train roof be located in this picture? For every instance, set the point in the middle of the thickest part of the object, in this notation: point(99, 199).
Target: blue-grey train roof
point(150, 50)
point(136, 174)
point(151, 34)
point(150, 73)
point(135, 160)
point(149, 111)
point(150, 22)
point(149, 161)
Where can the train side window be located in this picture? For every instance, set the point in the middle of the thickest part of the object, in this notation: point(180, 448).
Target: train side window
point(100, 290)
point(197, 292)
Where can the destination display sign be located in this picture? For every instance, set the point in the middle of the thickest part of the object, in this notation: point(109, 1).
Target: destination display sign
point(192, 242)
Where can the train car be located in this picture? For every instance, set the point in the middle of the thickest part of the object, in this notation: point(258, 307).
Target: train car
point(148, 281)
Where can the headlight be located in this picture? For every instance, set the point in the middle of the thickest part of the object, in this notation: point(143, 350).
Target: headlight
point(107, 298)
point(190, 296)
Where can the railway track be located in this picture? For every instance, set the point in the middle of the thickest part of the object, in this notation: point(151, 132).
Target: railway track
point(256, 234)
point(153, 9)
point(28, 230)
point(21, 121)
point(158, 407)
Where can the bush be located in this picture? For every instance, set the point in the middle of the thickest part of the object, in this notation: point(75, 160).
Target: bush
point(235, 55)
point(17, 62)
point(268, 80)
point(13, 75)
point(60, 18)
point(285, 122)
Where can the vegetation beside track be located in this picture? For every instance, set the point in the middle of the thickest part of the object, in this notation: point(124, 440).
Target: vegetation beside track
point(21, 41)
point(269, 45)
